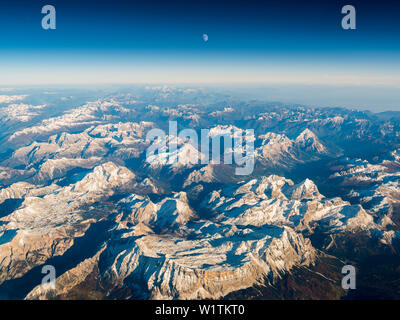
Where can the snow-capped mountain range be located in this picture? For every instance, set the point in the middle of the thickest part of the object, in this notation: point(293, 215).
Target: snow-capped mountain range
point(78, 191)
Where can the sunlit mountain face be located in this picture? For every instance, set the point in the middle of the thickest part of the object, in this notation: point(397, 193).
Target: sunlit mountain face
point(199, 150)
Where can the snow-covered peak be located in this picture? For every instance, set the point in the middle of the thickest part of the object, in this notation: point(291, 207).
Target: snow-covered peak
point(175, 152)
point(205, 174)
point(105, 176)
point(168, 214)
point(308, 141)
point(304, 190)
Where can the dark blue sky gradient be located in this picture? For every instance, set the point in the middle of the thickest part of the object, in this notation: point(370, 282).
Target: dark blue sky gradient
point(249, 26)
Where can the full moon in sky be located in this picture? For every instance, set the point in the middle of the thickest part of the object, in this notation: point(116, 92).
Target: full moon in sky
point(205, 37)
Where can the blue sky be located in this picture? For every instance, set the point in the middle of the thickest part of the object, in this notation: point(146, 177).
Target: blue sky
point(263, 42)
